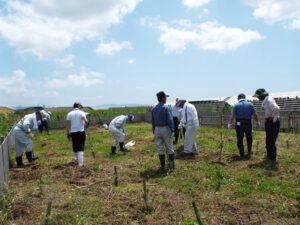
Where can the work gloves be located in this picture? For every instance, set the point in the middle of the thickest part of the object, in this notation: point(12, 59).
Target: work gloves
point(69, 136)
point(229, 125)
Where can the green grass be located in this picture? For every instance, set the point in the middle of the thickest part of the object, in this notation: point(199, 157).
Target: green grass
point(253, 191)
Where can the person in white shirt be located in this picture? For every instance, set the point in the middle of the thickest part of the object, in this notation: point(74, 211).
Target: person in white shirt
point(23, 137)
point(175, 113)
point(189, 119)
point(117, 129)
point(272, 124)
point(75, 130)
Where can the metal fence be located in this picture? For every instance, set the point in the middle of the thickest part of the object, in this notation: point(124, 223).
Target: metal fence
point(5, 147)
point(289, 121)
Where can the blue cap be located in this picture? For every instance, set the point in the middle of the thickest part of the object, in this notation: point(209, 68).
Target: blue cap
point(131, 117)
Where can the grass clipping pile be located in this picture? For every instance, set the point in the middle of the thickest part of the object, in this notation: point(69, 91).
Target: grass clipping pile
point(130, 189)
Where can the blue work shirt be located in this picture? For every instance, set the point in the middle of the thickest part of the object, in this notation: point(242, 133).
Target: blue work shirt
point(243, 110)
point(162, 116)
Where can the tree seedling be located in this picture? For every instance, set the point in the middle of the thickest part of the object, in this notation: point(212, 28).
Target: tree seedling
point(197, 213)
point(221, 147)
point(116, 177)
point(145, 193)
point(47, 220)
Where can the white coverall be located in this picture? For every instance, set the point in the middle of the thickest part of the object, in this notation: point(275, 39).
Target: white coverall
point(22, 133)
point(189, 119)
point(116, 128)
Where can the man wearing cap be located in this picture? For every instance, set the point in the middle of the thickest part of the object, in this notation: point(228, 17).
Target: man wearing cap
point(75, 130)
point(23, 137)
point(272, 124)
point(175, 113)
point(163, 130)
point(242, 112)
point(45, 121)
point(117, 129)
point(189, 120)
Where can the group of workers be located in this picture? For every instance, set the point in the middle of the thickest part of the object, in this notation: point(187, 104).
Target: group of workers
point(167, 122)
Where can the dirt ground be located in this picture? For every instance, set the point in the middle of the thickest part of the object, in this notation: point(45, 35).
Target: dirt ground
point(227, 190)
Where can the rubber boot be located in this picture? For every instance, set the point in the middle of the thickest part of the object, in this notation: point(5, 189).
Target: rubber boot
point(122, 149)
point(242, 152)
point(113, 150)
point(30, 158)
point(172, 162)
point(162, 162)
point(19, 161)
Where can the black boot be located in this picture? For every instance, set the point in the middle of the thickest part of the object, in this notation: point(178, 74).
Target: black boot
point(242, 152)
point(19, 161)
point(30, 158)
point(113, 150)
point(172, 162)
point(162, 162)
point(122, 149)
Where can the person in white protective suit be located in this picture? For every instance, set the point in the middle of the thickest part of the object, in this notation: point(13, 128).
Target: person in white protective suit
point(189, 119)
point(45, 122)
point(116, 128)
point(23, 137)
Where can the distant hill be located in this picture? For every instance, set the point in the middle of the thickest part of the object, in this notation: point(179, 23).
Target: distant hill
point(5, 110)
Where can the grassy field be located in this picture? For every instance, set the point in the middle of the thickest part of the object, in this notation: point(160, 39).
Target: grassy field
point(226, 190)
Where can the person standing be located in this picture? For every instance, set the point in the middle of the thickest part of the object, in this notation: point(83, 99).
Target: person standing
point(272, 123)
point(117, 129)
point(242, 112)
point(189, 120)
point(23, 137)
point(175, 113)
point(75, 130)
point(45, 122)
point(163, 130)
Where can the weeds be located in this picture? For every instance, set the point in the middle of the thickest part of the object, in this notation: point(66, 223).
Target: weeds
point(5, 205)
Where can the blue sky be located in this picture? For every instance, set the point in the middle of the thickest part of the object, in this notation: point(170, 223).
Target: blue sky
point(124, 51)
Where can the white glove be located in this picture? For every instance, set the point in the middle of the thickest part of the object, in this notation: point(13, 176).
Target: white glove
point(275, 119)
point(173, 134)
point(258, 124)
point(229, 125)
point(179, 126)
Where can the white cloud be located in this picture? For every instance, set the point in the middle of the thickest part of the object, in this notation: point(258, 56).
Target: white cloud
point(83, 79)
point(131, 61)
point(15, 84)
point(47, 28)
point(274, 11)
point(110, 48)
point(194, 3)
point(67, 61)
point(176, 35)
point(204, 13)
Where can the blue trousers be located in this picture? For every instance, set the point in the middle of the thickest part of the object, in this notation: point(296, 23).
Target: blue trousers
point(242, 128)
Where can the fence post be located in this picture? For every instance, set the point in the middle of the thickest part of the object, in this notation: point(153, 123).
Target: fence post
point(289, 121)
